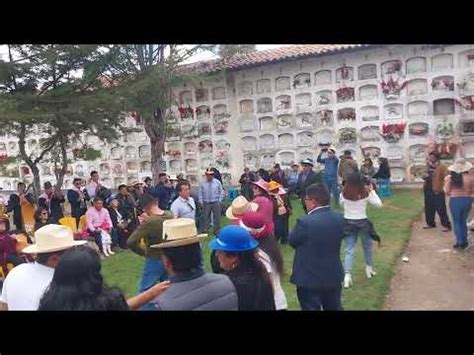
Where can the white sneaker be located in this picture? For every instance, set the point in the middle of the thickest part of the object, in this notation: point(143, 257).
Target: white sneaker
point(347, 280)
point(369, 272)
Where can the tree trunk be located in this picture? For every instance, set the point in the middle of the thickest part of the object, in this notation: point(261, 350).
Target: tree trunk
point(63, 171)
point(36, 182)
point(29, 162)
point(157, 150)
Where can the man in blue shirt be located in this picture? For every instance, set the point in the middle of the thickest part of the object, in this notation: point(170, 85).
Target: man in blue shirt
point(331, 163)
point(293, 178)
point(184, 206)
point(211, 195)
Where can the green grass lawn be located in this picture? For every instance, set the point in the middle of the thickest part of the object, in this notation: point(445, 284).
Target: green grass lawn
point(392, 222)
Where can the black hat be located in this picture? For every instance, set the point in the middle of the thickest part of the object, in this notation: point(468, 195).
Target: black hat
point(47, 185)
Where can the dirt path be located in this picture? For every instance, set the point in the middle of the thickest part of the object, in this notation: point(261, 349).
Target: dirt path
point(436, 277)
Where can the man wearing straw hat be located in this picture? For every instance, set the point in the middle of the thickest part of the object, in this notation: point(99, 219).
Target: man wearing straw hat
point(25, 284)
point(459, 185)
point(191, 288)
point(307, 177)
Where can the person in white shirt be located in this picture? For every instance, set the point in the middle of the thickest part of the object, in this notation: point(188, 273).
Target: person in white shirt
point(93, 186)
point(354, 198)
point(25, 284)
point(184, 206)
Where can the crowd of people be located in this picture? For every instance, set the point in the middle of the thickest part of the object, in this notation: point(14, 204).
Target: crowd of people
point(165, 223)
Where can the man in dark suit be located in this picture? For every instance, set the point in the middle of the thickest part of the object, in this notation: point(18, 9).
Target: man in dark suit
point(307, 177)
point(317, 267)
point(16, 201)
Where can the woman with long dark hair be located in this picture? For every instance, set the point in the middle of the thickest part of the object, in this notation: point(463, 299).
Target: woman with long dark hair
point(460, 186)
point(237, 254)
point(78, 285)
point(268, 251)
point(355, 197)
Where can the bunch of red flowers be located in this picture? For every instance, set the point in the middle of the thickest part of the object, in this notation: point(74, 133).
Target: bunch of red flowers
point(466, 102)
point(397, 128)
point(391, 86)
point(185, 112)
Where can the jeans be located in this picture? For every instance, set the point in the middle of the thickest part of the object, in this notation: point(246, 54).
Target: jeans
point(460, 208)
point(331, 183)
point(319, 299)
point(351, 244)
point(153, 273)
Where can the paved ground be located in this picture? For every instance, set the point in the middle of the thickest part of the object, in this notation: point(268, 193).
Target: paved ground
point(436, 277)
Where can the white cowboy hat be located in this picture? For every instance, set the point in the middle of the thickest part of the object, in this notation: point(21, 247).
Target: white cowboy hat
point(239, 206)
point(178, 232)
point(53, 237)
point(460, 165)
point(173, 177)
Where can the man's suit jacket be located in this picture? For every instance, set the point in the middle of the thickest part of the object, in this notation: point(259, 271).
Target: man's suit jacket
point(317, 239)
point(312, 178)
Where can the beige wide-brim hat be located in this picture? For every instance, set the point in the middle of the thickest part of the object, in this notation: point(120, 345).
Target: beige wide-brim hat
point(178, 232)
point(239, 206)
point(460, 165)
point(53, 237)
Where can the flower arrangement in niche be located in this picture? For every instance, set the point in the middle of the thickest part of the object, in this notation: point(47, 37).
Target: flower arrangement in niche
point(202, 146)
point(393, 132)
point(446, 147)
point(174, 153)
point(325, 117)
point(346, 115)
point(445, 129)
point(185, 112)
point(418, 129)
point(391, 88)
point(222, 159)
point(466, 102)
point(394, 67)
point(200, 111)
point(344, 70)
point(347, 136)
point(442, 84)
point(345, 94)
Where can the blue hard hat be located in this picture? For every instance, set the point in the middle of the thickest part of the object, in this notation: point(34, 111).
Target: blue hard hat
point(233, 238)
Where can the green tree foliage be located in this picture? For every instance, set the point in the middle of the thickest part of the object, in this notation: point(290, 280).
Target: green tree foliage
point(57, 92)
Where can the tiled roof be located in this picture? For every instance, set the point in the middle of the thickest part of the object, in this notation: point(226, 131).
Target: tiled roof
point(268, 56)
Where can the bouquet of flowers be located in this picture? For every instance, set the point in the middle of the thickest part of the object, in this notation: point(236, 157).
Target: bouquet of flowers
point(393, 132)
point(392, 87)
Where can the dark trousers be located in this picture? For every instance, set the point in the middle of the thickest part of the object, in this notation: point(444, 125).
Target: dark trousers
point(319, 299)
point(281, 228)
point(97, 238)
point(435, 203)
point(216, 210)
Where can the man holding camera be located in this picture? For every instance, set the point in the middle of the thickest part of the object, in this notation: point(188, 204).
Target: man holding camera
point(331, 163)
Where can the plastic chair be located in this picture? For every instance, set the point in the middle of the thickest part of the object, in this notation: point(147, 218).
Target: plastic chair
point(384, 188)
point(83, 223)
point(69, 222)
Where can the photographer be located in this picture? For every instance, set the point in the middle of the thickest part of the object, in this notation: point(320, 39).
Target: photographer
point(331, 163)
